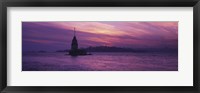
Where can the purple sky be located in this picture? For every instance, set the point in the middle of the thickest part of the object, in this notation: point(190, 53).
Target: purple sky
point(52, 36)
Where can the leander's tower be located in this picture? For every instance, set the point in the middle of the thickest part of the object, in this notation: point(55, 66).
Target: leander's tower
point(74, 47)
point(74, 44)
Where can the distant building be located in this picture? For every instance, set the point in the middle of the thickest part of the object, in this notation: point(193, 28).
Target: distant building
point(74, 47)
point(74, 44)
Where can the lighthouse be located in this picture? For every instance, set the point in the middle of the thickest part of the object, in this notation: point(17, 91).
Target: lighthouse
point(74, 44)
point(74, 47)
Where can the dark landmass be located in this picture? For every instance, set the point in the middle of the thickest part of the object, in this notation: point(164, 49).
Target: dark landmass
point(120, 49)
point(108, 49)
point(114, 49)
point(63, 50)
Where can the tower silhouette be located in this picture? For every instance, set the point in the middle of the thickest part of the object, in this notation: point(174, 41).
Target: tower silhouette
point(74, 44)
point(74, 47)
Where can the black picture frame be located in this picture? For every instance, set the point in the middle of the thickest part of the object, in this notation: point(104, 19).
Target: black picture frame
point(98, 3)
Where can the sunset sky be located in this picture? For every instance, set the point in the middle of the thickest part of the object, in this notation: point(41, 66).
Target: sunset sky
point(52, 36)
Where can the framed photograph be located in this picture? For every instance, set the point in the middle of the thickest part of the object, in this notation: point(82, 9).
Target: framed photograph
point(136, 46)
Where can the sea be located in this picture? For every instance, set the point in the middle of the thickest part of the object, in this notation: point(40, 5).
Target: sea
point(100, 61)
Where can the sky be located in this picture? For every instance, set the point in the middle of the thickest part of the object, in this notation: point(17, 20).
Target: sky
point(53, 36)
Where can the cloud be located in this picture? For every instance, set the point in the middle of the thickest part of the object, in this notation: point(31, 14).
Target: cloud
point(123, 34)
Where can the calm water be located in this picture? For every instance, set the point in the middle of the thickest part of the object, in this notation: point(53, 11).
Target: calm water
point(100, 62)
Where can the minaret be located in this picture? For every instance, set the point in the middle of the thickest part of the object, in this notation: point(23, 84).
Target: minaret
point(74, 44)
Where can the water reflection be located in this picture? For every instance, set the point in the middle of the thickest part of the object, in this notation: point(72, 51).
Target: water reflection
point(100, 62)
